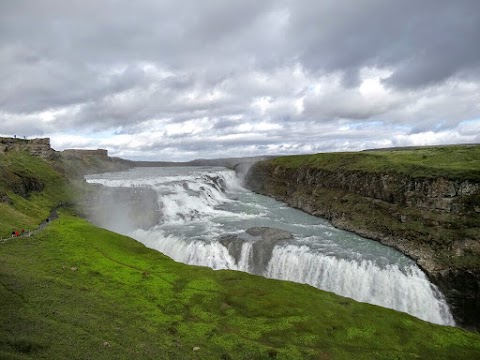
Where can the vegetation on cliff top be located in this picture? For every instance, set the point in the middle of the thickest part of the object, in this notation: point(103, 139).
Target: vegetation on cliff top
point(76, 291)
point(460, 162)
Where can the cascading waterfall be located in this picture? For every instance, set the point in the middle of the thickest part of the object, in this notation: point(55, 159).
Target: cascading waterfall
point(205, 215)
point(408, 290)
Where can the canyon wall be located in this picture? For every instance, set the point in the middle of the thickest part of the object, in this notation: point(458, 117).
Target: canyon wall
point(435, 221)
point(80, 154)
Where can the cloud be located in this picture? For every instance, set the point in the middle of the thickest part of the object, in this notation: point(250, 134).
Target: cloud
point(185, 79)
point(423, 42)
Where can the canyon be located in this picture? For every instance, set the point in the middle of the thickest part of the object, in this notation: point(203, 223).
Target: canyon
point(433, 219)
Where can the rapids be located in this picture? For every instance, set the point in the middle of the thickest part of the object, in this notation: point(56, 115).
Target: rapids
point(204, 215)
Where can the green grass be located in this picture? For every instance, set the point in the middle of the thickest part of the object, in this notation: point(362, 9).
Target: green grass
point(26, 212)
point(460, 162)
point(74, 291)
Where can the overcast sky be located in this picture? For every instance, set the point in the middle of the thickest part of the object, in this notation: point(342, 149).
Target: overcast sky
point(185, 79)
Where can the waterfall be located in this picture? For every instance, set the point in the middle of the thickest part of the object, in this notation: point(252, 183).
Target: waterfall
point(408, 291)
point(204, 217)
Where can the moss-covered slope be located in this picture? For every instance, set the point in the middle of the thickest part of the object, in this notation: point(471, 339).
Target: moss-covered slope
point(456, 162)
point(29, 188)
point(74, 291)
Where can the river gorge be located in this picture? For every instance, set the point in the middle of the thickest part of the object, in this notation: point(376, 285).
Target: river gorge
point(204, 216)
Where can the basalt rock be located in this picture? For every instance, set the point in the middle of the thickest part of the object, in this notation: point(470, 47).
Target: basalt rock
point(263, 248)
point(25, 185)
point(5, 199)
point(234, 245)
point(36, 147)
point(263, 239)
point(269, 234)
point(462, 291)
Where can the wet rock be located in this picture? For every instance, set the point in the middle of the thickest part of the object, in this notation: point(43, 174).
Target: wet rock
point(264, 239)
point(270, 234)
point(217, 182)
point(234, 245)
point(462, 291)
point(5, 199)
point(263, 248)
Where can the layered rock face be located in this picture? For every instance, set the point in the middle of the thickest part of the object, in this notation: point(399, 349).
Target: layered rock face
point(435, 221)
point(80, 154)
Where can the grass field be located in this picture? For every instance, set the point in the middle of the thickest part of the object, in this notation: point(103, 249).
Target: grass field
point(452, 162)
point(74, 291)
point(78, 292)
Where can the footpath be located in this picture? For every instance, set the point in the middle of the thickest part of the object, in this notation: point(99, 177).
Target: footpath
point(27, 233)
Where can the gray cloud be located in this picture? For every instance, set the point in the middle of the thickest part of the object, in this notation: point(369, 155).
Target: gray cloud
point(425, 42)
point(250, 77)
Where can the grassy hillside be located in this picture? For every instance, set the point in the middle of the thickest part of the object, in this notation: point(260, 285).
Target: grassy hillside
point(453, 162)
point(29, 189)
point(73, 291)
point(77, 167)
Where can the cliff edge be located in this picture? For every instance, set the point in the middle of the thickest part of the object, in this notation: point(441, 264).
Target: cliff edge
point(35, 147)
point(424, 202)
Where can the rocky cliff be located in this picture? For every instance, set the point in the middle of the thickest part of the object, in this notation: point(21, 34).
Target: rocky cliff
point(72, 162)
point(431, 218)
point(36, 147)
point(77, 163)
point(81, 154)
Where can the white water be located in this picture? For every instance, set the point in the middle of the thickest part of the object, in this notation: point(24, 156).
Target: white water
point(199, 205)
